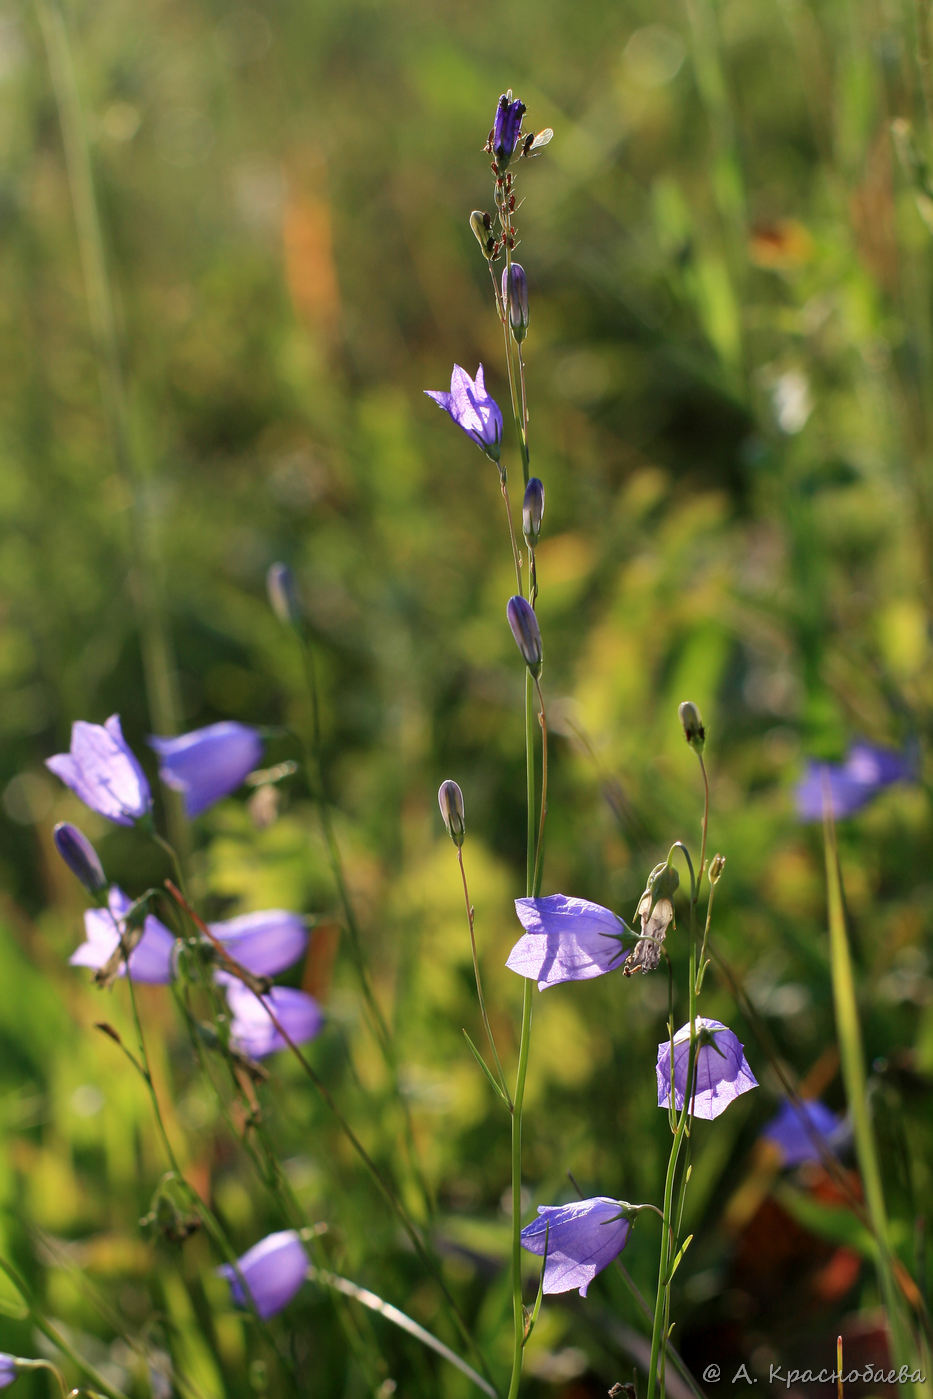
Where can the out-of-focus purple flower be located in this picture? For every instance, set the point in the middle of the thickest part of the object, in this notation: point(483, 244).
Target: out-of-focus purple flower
point(566, 939)
point(722, 1071)
point(251, 1029)
point(850, 785)
point(208, 763)
point(580, 1240)
point(152, 959)
point(273, 1271)
point(527, 633)
point(793, 1130)
point(264, 943)
point(506, 128)
point(102, 771)
point(471, 408)
point(9, 1371)
point(80, 856)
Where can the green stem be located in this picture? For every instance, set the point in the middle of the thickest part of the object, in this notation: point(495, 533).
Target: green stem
point(479, 982)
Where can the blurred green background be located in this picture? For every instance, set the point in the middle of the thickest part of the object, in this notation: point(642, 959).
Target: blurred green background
point(729, 371)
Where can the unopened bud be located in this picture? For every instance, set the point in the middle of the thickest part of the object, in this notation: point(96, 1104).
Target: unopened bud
point(716, 866)
point(450, 801)
point(527, 633)
point(481, 225)
point(283, 594)
point(533, 510)
point(694, 732)
point(80, 856)
point(515, 296)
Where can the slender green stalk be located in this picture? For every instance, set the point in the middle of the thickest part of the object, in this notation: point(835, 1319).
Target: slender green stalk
point(479, 981)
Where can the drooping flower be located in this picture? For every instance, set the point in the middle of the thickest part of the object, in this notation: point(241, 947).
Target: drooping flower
point(722, 1071)
point(580, 1240)
point(524, 624)
point(252, 1030)
point(472, 409)
point(852, 784)
point(152, 959)
point(208, 763)
point(655, 913)
point(9, 1370)
point(263, 943)
point(80, 856)
point(506, 129)
point(272, 1271)
point(566, 939)
point(103, 772)
point(794, 1128)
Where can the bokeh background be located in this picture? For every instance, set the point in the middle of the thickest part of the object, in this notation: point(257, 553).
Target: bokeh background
point(729, 372)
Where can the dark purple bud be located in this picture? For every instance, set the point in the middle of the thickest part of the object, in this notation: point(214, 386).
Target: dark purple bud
point(80, 856)
point(505, 132)
point(533, 510)
point(694, 732)
point(450, 801)
point(515, 297)
point(481, 225)
point(527, 633)
point(283, 595)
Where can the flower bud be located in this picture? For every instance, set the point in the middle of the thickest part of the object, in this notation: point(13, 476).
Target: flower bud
point(527, 633)
point(481, 225)
point(80, 856)
point(283, 595)
point(515, 297)
point(533, 510)
point(450, 801)
point(694, 732)
point(716, 866)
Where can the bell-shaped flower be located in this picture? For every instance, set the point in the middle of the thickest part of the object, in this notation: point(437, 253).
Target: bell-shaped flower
point(151, 960)
point(9, 1370)
point(472, 409)
point(103, 772)
point(208, 763)
point(263, 943)
point(850, 785)
point(798, 1130)
point(566, 939)
point(272, 1271)
point(506, 128)
point(252, 1029)
point(579, 1239)
point(721, 1073)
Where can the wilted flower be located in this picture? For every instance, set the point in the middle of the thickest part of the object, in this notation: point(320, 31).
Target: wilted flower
point(527, 633)
point(481, 225)
point(80, 856)
point(251, 1029)
point(450, 801)
point(566, 939)
point(472, 409)
point(208, 763)
point(506, 129)
point(722, 1071)
point(151, 960)
point(272, 1270)
point(851, 785)
point(533, 510)
point(655, 913)
point(263, 943)
point(794, 1127)
point(515, 297)
point(580, 1240)
point(102, 771)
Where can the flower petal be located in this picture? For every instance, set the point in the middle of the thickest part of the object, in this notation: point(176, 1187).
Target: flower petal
point(566, 939)
point(272, 1270)
point(580, 1240)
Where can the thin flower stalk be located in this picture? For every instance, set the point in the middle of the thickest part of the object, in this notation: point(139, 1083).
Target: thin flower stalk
point(500, 1073)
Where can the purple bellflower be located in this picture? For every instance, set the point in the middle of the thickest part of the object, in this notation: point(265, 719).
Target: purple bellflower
point(209, 763)
point(102, 771)
point(263, 943)
point(471, 408)
point(152, 959)
point(580, 1240)
point(722, 1071)
point(9, 1370)
point(852, 784)
point(506, 129)
point(252, 1031)
point(566, 939)
point(794, 1128)
point(273, 1271)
